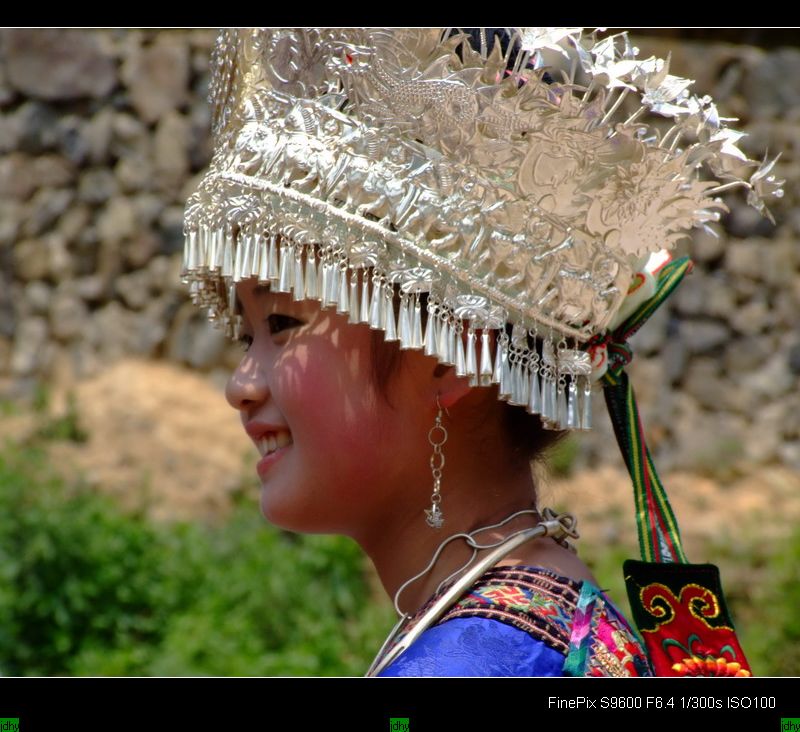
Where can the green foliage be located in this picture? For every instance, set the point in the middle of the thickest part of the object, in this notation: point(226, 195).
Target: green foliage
point(41, 399)
point(88, 590)
point(562, 456)
point(762, 587)
point(65, 427)
point(778, 639)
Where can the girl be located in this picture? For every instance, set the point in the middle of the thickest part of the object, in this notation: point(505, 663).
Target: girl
point(426, 243)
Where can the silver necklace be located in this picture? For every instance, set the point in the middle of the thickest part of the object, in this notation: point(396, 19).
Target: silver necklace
point(556, 526)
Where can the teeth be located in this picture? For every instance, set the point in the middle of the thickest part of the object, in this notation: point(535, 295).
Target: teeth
point(273, 441)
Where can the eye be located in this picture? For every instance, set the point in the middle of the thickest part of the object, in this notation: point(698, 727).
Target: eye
point(278, 323)
point(245, 341)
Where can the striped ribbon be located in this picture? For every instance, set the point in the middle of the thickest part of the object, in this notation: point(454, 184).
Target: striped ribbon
point(659, 536)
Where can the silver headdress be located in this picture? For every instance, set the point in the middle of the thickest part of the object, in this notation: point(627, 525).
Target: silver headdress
point(455, 168)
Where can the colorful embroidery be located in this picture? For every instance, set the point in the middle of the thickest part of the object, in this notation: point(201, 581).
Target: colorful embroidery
point(571, 617)
point(682, 615)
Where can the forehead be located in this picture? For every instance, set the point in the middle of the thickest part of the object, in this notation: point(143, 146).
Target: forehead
point(249, 290)
point(260, 297)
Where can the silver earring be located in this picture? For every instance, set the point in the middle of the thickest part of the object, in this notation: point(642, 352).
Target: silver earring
point(437, 436)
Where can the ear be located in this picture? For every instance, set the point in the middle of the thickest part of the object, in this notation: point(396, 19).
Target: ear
point(450, 388)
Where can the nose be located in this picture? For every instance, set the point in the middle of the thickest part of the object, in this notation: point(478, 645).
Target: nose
point(248, 385)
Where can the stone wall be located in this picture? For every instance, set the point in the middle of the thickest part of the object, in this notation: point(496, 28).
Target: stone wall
point(104, 133)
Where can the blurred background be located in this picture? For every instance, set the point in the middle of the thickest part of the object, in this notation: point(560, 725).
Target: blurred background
point(130, 536)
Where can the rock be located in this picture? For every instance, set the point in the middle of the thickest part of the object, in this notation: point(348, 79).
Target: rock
point(31, 260)
point(158, 77)
point(17, 178)
point(771, 86)
point(766, 436)
point(745, 222)
point(150, 331)
point(781, 262)
point(706, 247)
point(45, 207)
point(650, 338)
point(794, 358)
point(720, 299)
point(6, 92)
point(745, 289)
point(97, 185)
point(10, 218)
point(10, 297)
point(9, 133)
point(57, 64)
point(193, 340)
point(134, 289)
point(201, 43)
point(5, 358)
point(74, 221)
point(148, 208)
point(90, 288)
point(744, 258)
point(752, 318)
point(647, 376)
point(709, 444)
point(159, 271)
point(171, 150)
point(703, 382)
point(171, 221)
point(128, 134)
point(674, 358)
point(109, 331)
point(749, 353)
point(109, 263)
point(771, 381)
point(69, 316)
point(701, 336)
point(72, 138)
point(85, 362)
point(38, 296)
point(30, 347)
point(98, 133)
point(789, 454)
point(138, 250)
point(134, 173)
point(60, 260)
point(117, 220)
point(52, 171)
point(200, 143)
point(690, 298)
point(34, 128)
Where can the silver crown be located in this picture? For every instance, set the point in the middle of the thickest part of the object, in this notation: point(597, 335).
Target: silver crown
point(452, 164)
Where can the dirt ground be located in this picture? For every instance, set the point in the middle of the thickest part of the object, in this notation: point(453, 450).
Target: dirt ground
point(163, 437)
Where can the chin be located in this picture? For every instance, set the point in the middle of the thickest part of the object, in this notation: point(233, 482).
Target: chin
point(289, 516)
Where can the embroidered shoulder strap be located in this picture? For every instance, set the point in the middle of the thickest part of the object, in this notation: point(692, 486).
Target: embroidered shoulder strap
point(573, 618)
point(679, 607)
point(540, 603)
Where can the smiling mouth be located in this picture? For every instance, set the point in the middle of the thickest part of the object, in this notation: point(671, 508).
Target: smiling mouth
point(267, 444)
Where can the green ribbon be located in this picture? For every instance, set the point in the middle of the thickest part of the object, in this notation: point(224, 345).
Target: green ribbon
point(659, 536)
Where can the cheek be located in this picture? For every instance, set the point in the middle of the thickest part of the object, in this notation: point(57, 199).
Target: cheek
point(328, 397)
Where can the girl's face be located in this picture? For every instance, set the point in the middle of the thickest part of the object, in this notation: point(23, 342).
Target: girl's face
point(307, 374)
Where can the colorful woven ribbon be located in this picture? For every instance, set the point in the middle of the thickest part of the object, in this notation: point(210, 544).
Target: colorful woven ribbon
point(659, 537)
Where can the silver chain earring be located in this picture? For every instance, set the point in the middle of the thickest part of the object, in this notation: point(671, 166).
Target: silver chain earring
point(437, 436)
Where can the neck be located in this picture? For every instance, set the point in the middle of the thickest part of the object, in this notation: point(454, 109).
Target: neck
point(405, 545)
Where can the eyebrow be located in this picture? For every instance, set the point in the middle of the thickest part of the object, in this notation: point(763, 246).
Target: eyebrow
point(257, 290)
